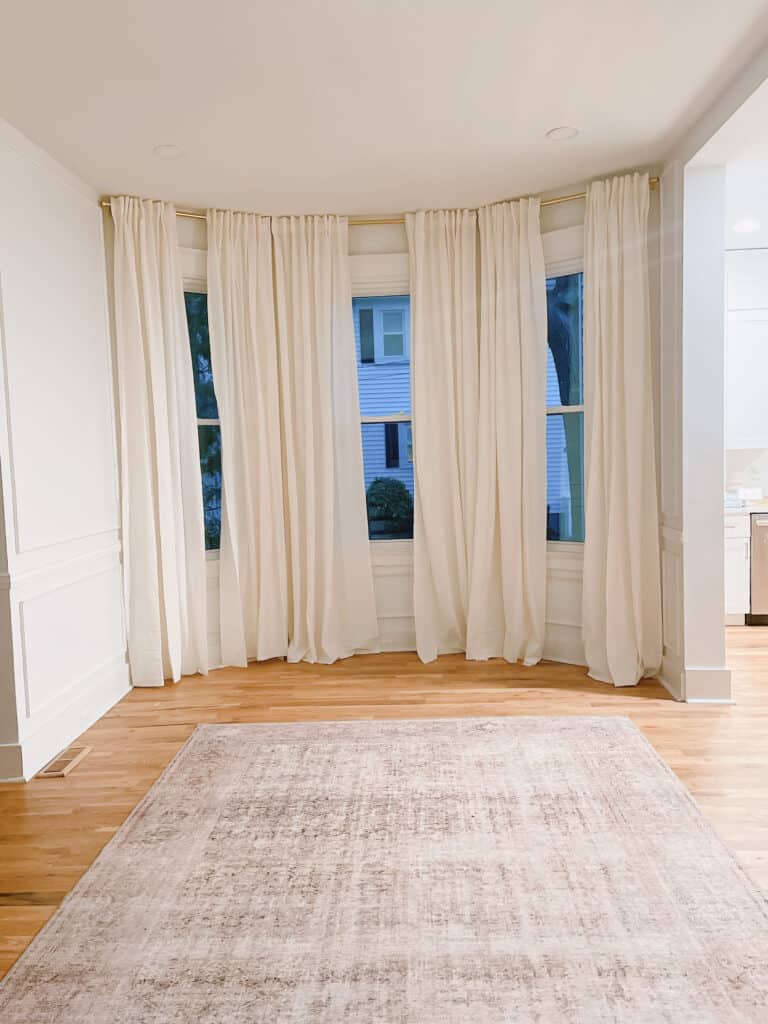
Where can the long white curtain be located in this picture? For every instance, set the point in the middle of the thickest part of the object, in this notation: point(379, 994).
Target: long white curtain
point(331, 609)
point(508, 566)
point(622, 591)
point(479, 375)
point(253, 585)
point(444, 374)
point(162, 516)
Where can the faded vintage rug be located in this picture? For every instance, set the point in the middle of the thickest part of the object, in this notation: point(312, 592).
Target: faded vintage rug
point(481, 871)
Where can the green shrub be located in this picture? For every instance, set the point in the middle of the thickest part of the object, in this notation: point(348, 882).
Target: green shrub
point(389, 499)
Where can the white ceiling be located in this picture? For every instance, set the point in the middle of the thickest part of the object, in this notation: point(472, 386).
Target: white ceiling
point(362, 105)
point(741, 146)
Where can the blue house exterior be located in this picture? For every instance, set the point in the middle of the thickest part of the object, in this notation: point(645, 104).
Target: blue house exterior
point(384, 384)
point(382, 343)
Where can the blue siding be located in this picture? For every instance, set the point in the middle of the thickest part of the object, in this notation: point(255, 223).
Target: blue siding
point(375, 459)
point(385, 389)
point(558, 485)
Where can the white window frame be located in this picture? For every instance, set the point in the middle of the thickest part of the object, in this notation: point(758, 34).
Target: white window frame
point(569, 239)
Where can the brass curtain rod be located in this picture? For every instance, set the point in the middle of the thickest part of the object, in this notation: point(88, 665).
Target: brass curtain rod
point(397, 218)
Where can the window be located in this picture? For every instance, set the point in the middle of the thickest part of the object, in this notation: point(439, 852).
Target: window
point(382, 328)
point(208, 430)
point(565, 409)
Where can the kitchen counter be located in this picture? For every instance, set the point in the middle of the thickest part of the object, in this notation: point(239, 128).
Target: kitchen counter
point(746, 510)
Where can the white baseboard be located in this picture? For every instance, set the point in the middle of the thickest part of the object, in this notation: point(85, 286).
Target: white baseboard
point(88, 703)
point(734, 620)
point(710, 700)
point(10, 762)
point(705, 685)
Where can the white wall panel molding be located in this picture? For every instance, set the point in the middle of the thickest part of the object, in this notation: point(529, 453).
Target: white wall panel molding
point(62, 648)
point(54, 329)
point(562, 636)
point(68, 563)
point(392, 564)
point(68, 630)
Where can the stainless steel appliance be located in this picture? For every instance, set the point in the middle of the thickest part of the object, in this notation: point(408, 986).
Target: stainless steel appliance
point(759, 570)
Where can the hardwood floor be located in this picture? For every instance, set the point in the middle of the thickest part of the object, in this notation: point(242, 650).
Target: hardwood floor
point(51, 830)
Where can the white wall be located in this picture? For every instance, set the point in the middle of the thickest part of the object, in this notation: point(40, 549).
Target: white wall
point(62, 645)
point(692, 374)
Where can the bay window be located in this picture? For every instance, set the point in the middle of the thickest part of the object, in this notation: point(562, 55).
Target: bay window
point(382, 341)
point(565, 408)
point(208, 429)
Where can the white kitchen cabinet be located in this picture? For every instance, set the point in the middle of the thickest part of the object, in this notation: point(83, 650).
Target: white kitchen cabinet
point(747, 279)
point(746, 371)
point(746, 349)
point(737, 575)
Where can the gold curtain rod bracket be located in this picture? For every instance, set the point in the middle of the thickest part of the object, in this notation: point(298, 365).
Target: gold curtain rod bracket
point(399, 218)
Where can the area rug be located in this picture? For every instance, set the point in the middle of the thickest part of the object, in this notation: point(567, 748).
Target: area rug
point(482, 871)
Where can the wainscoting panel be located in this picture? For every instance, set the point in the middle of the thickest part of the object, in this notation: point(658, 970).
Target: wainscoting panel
point(562, 639)
point(68, 633)
point(392, 562)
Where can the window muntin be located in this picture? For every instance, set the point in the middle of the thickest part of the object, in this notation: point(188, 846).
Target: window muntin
point(382, 327)
point(565, 408)
point(392, 333)
point(208, 428)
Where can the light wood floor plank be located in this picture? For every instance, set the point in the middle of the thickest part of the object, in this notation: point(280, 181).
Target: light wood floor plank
point(51, 830)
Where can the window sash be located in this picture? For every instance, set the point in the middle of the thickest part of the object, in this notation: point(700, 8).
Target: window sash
point(395, 417)
point(380, 335)
point(562, 410)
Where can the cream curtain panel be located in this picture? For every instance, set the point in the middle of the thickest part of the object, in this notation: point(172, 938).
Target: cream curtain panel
point(444, 381)
point(331, 608)
point(296, 577)
point(508, 568)
point(478, 372)
point(621, 613)
point(253, 575)
point(162, 514)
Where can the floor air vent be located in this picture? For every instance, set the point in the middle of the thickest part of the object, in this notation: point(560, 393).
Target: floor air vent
point(63, 763)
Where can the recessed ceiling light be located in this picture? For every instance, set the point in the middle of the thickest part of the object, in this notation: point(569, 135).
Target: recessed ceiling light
point(168, 152)
point(562, 134)
point(747, 225)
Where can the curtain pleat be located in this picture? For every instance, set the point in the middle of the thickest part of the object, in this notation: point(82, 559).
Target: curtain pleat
point(253, 585)
point(621, 612)
point(161, 489)
point(508, 569)
point(331, 608)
